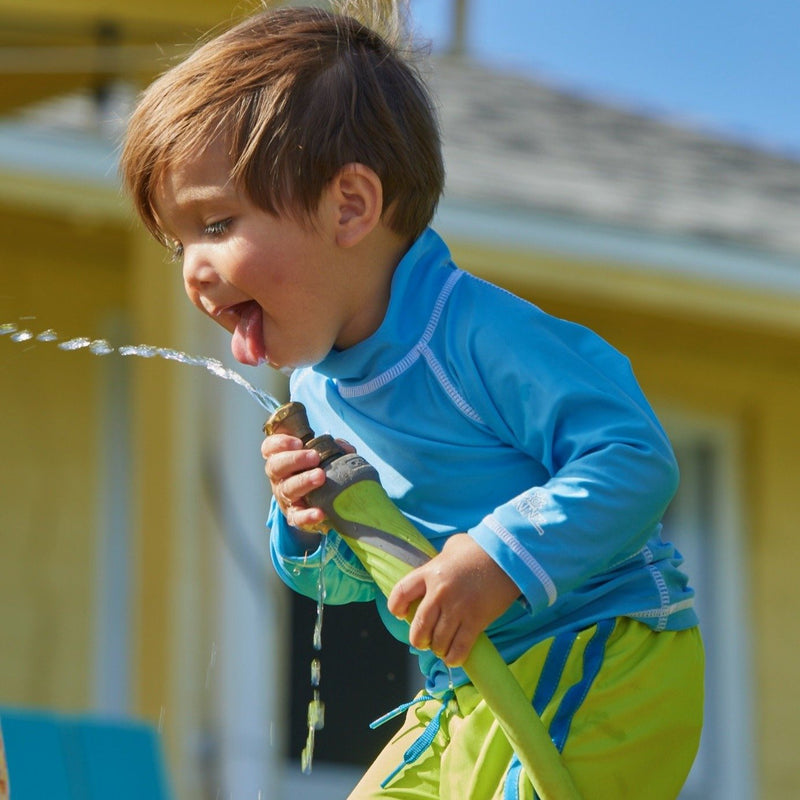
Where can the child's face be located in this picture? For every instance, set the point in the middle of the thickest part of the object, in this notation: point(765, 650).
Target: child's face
point(277, 285)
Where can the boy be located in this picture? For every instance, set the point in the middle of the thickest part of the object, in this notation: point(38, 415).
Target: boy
point(294, 165)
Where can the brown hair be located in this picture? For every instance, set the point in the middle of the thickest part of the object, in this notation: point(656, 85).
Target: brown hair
point(297, 93)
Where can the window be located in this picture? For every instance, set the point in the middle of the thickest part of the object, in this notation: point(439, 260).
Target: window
point(705, 522)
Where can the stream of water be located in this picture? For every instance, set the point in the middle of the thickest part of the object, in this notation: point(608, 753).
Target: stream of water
point(100, 347)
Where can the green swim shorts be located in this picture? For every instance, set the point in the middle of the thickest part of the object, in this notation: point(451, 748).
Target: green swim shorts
point(622, 703)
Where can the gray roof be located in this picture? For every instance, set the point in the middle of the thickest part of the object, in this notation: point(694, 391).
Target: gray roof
point(513, 142)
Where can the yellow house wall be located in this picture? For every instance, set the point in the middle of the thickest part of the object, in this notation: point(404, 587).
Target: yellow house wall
point(751, 379)
point(178, 13)
point(82, 43)
point(76, 277)
point(62, 275)
point(746, 373)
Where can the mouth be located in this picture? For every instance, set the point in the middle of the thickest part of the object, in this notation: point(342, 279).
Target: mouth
point(247, 341)
point(235, 310)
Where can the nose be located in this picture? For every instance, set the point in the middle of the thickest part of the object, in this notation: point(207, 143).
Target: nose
point(198, 273)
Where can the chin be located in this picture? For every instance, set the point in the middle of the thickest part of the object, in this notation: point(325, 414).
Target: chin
point(297, 362)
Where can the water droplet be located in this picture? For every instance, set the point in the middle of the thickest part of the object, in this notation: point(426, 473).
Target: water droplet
point(215, 367)
point(321, 594)
point(316, 713)
point(47, 336)
point(7, 327)
point(176, 355)
point(316, 672)
point(75, 344)
point(100, 347)
point(211, 662)
point(316, 722)
point(21, 336)
point(307, 756)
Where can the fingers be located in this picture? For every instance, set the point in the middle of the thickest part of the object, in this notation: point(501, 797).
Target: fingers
point(293, 472)
point(461, 644)
point(403, 603)
point(452, 598)
point(435, 624)
point(414, 598)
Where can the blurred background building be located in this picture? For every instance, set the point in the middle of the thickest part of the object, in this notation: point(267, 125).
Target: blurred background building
point(134, 580)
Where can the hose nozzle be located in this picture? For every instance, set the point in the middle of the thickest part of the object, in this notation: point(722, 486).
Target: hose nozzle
point(291, 419)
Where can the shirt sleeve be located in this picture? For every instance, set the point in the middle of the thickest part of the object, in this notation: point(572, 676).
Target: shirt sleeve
point(345, 580)
point(567, 399)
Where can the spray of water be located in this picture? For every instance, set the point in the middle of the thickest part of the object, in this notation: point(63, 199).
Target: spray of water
point(100, 347)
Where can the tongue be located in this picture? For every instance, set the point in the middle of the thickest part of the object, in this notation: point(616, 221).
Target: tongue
point(247, 344)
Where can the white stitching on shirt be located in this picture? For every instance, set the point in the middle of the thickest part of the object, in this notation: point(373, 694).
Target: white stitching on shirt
point(681, 605)
point(401, 366)
point(530, 562)
point(663, 596)
point(438, 370)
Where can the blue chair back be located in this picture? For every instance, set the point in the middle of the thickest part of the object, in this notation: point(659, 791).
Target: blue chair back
point(58, 757)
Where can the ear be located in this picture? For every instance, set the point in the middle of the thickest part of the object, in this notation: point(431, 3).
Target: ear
point(356, 193)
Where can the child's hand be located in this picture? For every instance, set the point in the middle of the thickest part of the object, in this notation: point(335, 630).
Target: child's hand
point(293, 471)
point(461, 592)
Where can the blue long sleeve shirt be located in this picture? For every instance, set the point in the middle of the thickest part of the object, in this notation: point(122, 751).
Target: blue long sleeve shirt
point(484, 414)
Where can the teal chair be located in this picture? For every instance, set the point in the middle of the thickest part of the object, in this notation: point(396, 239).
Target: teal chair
point(58, 757)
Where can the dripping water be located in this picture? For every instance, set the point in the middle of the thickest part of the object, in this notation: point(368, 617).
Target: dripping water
point(316, 708)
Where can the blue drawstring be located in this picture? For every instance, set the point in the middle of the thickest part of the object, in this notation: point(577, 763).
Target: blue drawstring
point(425, 738)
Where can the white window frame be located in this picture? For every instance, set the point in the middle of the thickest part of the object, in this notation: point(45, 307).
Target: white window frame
point(707, 523)
point(112, 655)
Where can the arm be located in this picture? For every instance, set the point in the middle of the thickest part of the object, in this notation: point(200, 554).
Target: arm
point(566, 401)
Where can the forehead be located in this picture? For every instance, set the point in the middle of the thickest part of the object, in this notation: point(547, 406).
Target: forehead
point(194, 179)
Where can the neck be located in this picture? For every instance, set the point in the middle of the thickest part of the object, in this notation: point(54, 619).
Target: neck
point(372, 271)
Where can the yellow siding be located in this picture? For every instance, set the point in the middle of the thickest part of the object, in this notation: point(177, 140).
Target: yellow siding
point(179, 13)
point(67, 278)
point(75, 278)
